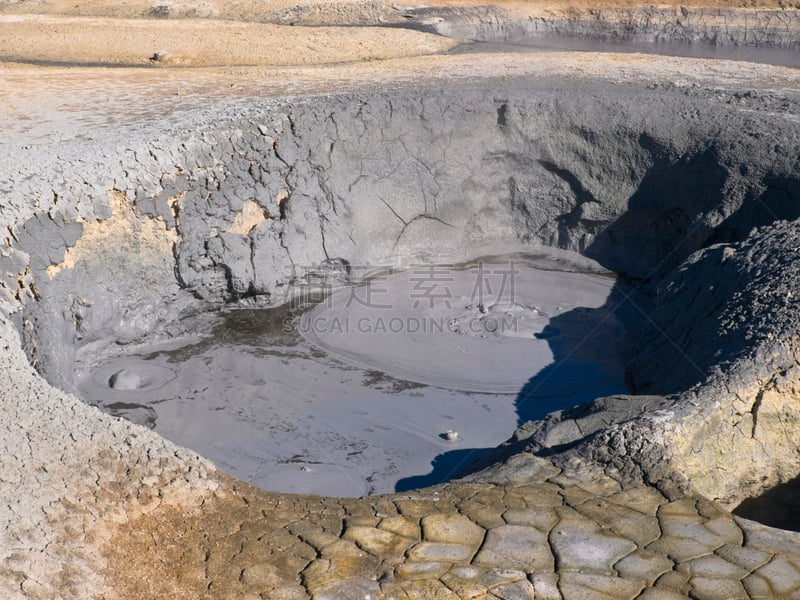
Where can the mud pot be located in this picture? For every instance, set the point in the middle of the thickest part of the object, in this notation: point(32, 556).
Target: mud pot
point(354, 394)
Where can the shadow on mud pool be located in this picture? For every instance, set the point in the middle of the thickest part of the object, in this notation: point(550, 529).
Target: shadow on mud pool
point(590, 348)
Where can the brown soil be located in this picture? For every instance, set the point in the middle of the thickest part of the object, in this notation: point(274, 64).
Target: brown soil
point(196, 42)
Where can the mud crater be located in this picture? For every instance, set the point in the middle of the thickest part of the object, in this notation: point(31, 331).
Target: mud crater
point(269, 194)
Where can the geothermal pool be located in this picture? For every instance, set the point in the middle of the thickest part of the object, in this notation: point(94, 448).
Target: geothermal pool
point(395, 381)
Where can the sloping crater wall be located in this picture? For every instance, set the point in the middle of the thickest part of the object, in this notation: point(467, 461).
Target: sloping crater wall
point(234, 210)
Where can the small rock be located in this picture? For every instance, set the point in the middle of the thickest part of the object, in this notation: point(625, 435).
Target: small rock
point(451, 435)
point(160, 11)
point(162, 56)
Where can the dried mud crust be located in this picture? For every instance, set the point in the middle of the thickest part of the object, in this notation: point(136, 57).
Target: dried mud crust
point(558, 535)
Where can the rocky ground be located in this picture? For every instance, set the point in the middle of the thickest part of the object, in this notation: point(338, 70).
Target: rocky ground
point(624, 499)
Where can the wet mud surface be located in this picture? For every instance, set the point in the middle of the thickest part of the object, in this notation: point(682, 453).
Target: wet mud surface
point(351, 391)
point(555, 43)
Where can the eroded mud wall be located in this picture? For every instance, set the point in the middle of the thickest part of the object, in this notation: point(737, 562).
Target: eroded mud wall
point(684, 25)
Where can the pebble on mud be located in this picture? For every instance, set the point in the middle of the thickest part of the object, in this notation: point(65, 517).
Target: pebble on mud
point(161, 57)
point(451, 435)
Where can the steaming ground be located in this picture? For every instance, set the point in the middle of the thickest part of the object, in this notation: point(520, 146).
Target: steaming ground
point(353, 395)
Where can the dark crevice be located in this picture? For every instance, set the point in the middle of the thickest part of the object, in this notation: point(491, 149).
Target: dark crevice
point(502, 115)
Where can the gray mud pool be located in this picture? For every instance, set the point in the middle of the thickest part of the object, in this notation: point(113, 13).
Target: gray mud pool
point(354, 391)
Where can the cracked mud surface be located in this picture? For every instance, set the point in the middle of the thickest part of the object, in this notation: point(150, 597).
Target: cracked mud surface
point(606, 500)
point(562, 536)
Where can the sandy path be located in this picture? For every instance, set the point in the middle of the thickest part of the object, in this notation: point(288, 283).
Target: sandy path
point(195, 42)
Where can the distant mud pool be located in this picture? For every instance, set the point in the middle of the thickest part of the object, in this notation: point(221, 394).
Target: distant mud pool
point(353, 391)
